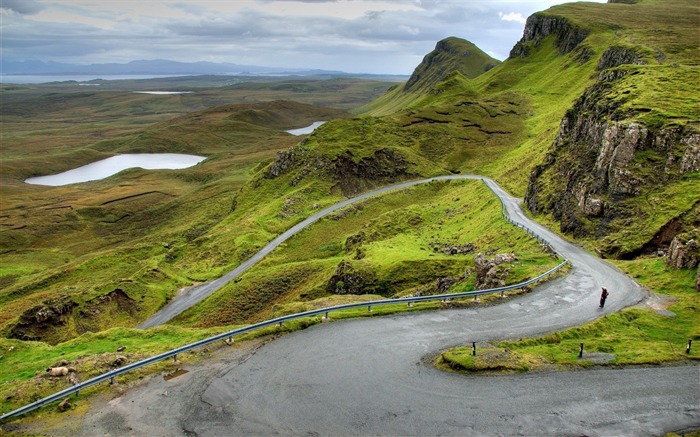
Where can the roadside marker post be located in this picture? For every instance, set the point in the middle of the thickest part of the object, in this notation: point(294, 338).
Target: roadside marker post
point(473, 348)
point(580, 351)
point(687, 348)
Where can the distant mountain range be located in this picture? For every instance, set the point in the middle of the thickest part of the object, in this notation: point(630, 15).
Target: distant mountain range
point(157, 66)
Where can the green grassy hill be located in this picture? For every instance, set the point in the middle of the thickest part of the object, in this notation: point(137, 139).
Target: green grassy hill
point(503, 123)
point(594, 119)
point(451, 56)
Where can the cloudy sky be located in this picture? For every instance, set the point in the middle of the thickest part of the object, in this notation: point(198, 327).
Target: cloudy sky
point(370, 36)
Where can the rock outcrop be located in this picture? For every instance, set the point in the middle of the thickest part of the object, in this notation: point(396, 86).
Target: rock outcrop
point(63, 318)
point(52, 314)
point(352, 279)
point(350, 174)
point(353, 177)
point(541, 25)
point(492, 273)
point(599, 161)
point(684, 251)
point(616, 55)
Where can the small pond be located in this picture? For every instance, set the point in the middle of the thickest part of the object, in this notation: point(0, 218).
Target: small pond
point(115, 164)
point(307, 129)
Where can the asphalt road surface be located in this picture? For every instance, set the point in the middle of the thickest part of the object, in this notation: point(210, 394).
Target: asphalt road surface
point(373, 377)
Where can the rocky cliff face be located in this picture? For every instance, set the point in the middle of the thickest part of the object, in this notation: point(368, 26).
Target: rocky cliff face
point(600, 163)
point(539, 26)
point(616, 56)
point(351, 175)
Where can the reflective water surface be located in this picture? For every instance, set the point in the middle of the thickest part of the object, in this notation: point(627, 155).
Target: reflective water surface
point(307, 129)
point(115, 164)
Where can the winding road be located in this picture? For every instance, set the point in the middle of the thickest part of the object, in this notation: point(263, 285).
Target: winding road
point(373, 377)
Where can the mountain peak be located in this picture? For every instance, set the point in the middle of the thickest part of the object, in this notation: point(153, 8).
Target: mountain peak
point(450, 54)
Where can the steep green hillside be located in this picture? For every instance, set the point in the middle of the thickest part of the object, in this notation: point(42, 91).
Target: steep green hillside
point(509, 120)
point(624, 168)
point(604, 107)
point(451, 55)
point(500, 123)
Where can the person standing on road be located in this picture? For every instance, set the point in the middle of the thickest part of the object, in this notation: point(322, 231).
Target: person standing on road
point(603, 296)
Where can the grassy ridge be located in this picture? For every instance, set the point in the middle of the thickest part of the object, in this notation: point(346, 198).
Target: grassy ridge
point(390, 242)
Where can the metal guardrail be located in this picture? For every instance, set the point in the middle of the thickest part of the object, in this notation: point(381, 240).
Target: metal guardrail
point(109, 376)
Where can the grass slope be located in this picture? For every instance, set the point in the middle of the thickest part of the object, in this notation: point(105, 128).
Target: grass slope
point(451, 55)
point(191, 226)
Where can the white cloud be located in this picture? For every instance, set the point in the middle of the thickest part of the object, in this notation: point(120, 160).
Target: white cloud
point(512, 16)
point(410, 30)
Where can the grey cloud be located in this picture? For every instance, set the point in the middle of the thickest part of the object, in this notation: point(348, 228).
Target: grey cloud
point(382, 41)
point(24, 7)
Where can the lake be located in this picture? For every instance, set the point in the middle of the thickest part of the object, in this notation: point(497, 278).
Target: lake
point(110, 166)
point(305, 130)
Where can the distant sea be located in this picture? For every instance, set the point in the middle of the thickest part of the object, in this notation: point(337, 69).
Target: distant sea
point(22, 78)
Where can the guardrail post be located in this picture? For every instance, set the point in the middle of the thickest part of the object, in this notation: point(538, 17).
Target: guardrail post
point(473, 348)
point(502, 291)
point(410, 304)
point(175, 358)
point(111, 381)
point(580, 351)
point(687, 348)
point(326, 315)
point(280, 324)
point(369, 308)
